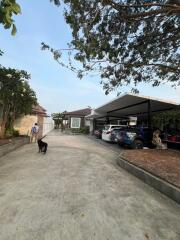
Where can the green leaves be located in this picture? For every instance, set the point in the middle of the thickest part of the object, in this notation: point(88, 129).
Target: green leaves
point(56, 2)
point(16, 8)
point(7, 9)
point(125, 42)
point(16, 96)
point(58, 119)
point(14, 30)
point(15, 92)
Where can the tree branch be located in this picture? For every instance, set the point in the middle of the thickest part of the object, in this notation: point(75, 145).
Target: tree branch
point(165, 8)
point(150, 13)
point(144, 5)
point(170, 68)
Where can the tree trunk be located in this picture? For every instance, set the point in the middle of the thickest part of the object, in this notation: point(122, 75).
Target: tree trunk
point(3, 122)
point(2, 129)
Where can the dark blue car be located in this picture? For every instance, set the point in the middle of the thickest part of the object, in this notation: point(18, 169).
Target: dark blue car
point(135, 138)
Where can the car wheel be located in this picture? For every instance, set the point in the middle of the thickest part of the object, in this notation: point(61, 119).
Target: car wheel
point(137, 144)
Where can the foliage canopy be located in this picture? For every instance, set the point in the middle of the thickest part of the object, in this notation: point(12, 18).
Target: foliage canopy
point(16, 96)
point(9, 8)
point(127, 42)
point(15, 92)
point(58, 119)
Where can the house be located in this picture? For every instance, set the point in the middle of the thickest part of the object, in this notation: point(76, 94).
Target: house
point(76, 119)
point(24, 123)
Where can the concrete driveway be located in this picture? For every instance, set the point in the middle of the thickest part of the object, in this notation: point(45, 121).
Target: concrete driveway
point(77, 192)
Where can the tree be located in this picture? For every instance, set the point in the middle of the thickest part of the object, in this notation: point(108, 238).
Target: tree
point(7, 10)
point(16, 96)
point(58, 119)
point(162, 119)
point(127, 42)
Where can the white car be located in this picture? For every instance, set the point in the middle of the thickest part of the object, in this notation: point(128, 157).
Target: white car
point(106, 133)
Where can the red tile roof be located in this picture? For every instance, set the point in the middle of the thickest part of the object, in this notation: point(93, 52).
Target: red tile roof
point(38, 110)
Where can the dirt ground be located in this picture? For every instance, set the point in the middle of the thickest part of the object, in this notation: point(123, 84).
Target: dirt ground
point(162, 163)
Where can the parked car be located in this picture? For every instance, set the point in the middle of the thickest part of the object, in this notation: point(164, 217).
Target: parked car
point(107, 133)
point(98, 133)
point(114, 133)
point(135, 138)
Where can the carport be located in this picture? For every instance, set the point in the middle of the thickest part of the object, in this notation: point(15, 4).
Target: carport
point(131, 105)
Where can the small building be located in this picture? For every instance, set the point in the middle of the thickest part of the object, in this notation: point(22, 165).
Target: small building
point(76, 119)
point(24, 123)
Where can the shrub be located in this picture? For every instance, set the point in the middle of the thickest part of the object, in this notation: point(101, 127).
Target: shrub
point(84, 130)
point(15, 133)
point(11, 132)
point(75, 130)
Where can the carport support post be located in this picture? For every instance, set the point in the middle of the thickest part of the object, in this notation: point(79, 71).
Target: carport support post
point(149, 121)
point(107, 120)
point(149, 114)
point(94, 125)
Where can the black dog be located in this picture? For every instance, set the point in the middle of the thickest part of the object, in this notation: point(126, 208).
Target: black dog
point(42, 146)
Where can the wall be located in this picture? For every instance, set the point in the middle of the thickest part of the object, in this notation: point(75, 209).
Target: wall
point(91, 126)
point(87, 123)
point(40, 121)
point(24, 124)
point(48, 125)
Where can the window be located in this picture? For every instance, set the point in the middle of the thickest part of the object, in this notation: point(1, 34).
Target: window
point(75, 122)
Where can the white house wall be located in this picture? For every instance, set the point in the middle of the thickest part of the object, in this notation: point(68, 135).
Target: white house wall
point(91, 125)
point(48, 125)
point(87, 122)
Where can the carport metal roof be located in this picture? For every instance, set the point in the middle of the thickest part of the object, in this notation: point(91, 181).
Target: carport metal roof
point(132, 105)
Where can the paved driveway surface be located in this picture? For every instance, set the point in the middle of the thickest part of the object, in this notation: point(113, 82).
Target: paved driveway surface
point(77, 192)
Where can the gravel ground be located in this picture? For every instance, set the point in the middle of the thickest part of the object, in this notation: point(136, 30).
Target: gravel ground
point(76, 191)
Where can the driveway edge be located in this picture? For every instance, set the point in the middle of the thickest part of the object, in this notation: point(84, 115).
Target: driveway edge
point(159, 184)
point(9, 147)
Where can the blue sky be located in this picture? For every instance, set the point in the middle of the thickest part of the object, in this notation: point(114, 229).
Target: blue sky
point(57, 88)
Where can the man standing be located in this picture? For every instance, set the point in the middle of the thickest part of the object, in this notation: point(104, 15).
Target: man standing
point(34, 132)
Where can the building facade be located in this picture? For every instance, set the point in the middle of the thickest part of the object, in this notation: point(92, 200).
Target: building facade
point(24, 123)
point(76, 119)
